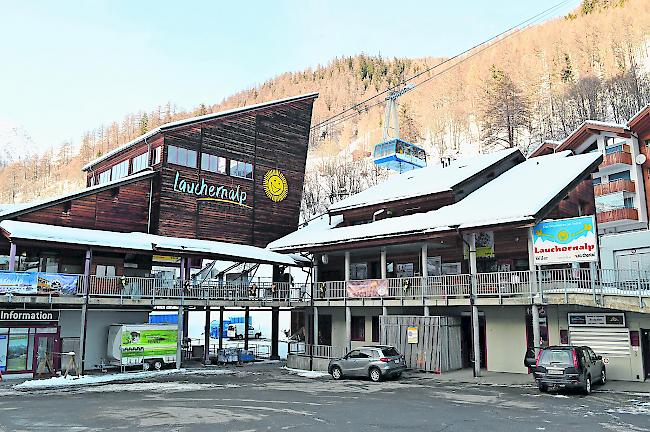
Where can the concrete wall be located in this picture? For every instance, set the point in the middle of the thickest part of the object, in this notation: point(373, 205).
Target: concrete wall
point(505, 332)
point(611, 243)
point(97, 330)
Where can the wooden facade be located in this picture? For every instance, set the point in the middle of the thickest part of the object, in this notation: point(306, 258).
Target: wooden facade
point(166, 198)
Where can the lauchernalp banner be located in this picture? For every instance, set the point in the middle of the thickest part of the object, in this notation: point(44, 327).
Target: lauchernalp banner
point(367, 288)
point(38, 283)
point(565, 241)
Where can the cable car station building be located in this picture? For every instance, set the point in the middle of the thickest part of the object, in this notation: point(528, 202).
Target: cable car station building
point(457, 240)
point(215, 187)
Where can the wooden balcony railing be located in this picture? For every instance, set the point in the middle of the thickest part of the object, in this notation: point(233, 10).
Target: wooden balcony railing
point(617, 215)
point(620, 157)
point(614, 186)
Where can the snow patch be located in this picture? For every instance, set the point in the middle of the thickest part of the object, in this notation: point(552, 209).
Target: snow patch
point(306, 373)
point(635, 407)
point(90, 380)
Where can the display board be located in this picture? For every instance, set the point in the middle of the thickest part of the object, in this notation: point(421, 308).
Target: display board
point(565, 241)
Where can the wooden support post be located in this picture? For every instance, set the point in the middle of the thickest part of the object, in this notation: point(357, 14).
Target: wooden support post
point(348, 328)
point(476, 341)
point(206, 337)
point(179, 336)
point(12, 257)
point(221, 329)
point(247, 314)
point(84, 310)
point(316, 342)
point(275, 333)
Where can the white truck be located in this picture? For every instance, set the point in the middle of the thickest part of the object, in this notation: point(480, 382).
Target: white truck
point(236, 331)
point(148, 345)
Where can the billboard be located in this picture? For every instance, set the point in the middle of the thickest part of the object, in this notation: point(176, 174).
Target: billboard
point(138, 342)
point(38, 283)
point(367, 288)
point(564, 241)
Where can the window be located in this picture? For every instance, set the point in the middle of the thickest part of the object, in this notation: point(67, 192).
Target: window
point(628, 202)
point(213, 163)
point(597, 181)
point(358, 328)
point(623, 175)
point(241, 169)
point(157, 155)
point(105, 271)
point(375, 329)
point(104, 177)
point(140, 163)
point(120, 170)
point(181, 156)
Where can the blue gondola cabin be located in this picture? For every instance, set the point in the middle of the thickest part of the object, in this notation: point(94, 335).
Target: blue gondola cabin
point(399, 155)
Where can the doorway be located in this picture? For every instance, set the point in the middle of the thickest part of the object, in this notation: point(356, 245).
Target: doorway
point(645, 352)
point(466, 346)
point(45, 359)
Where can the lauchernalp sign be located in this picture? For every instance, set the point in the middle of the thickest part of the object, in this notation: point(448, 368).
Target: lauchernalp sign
point(23, 315)
point(205, 191)
point(565, 241)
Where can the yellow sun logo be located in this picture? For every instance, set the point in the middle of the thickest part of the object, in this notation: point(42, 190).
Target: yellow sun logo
point(275, 185)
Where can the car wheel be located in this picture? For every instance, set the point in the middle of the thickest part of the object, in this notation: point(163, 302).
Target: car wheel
point(240, 337)
point(157, 365)
point(375, 375)
point(146, 366)
point(258, 335)
point(587, 387)
point(337, 374)
point(543, 388)
point(603, 377)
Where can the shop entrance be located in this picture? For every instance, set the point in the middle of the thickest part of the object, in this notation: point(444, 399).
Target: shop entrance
point(466, 346)
point(645, 351)
point(46, 358)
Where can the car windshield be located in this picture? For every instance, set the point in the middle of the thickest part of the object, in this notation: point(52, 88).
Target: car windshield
point(553, 357)
point(389, 352)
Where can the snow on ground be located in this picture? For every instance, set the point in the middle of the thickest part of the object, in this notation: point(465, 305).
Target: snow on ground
point(90, 380)
point(306, 373)
point(635, 407)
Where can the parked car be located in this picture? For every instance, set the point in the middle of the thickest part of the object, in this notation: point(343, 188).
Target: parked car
point(571, 367)
point(375, 362)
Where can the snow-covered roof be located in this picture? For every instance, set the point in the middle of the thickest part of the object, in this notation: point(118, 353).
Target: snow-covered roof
point(21, 208)
point(516, 196)
point(191, 120)
point(632, 119)
point(605, 124)
point(424, 181)
point(142, 242)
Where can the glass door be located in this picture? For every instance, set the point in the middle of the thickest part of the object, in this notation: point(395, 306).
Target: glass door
point(45, 356)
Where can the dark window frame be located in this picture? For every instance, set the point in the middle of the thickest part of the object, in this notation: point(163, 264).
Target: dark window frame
point(358, 328)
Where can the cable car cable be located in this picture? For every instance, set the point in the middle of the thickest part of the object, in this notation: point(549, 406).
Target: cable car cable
point(333, 120)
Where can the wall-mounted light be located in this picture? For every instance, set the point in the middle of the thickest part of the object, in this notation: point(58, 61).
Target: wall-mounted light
point(325, 258)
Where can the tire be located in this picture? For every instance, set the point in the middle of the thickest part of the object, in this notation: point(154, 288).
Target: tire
point(374, 374)
point(157, 365)
point(258, 335)
point(240, 337)
point(586, 389)
point(542, 388)
point(603, 377)
point(146, 366)
point(337, 373)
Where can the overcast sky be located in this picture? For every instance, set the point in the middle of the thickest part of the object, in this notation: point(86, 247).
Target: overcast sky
point(71, 66)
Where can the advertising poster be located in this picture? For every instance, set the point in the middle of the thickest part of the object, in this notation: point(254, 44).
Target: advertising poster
point(18, 283)
point(412, 335)
point(565, 241)
point(38, 283)
point(148, 343)
point(484, 245)
point(367, 288)
point(3, 353)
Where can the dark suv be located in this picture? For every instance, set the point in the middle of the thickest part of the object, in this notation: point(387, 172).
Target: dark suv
point(571, 367)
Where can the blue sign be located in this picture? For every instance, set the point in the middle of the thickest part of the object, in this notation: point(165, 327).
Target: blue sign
point(565, 241)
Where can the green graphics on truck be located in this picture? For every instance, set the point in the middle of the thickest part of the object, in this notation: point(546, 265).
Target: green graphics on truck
point(148, 343)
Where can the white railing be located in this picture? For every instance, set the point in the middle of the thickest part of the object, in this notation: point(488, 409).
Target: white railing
point(512, 284)
point(319, 351)
point(523, 284)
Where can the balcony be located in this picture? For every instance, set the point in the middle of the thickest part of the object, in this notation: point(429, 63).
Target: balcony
point(617, 155)
point(614, 186)
point(621, 214)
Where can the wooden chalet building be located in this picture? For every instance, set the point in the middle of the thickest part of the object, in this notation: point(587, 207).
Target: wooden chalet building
point(219, 186)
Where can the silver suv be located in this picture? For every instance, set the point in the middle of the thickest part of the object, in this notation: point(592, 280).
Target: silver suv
point(375, 362)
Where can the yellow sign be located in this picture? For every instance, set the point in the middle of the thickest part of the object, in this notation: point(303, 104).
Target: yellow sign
point(412, 335)
point(275, 185)
point(166, 259)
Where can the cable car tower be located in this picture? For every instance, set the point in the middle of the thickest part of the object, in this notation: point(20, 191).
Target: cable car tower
point(395, 153)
